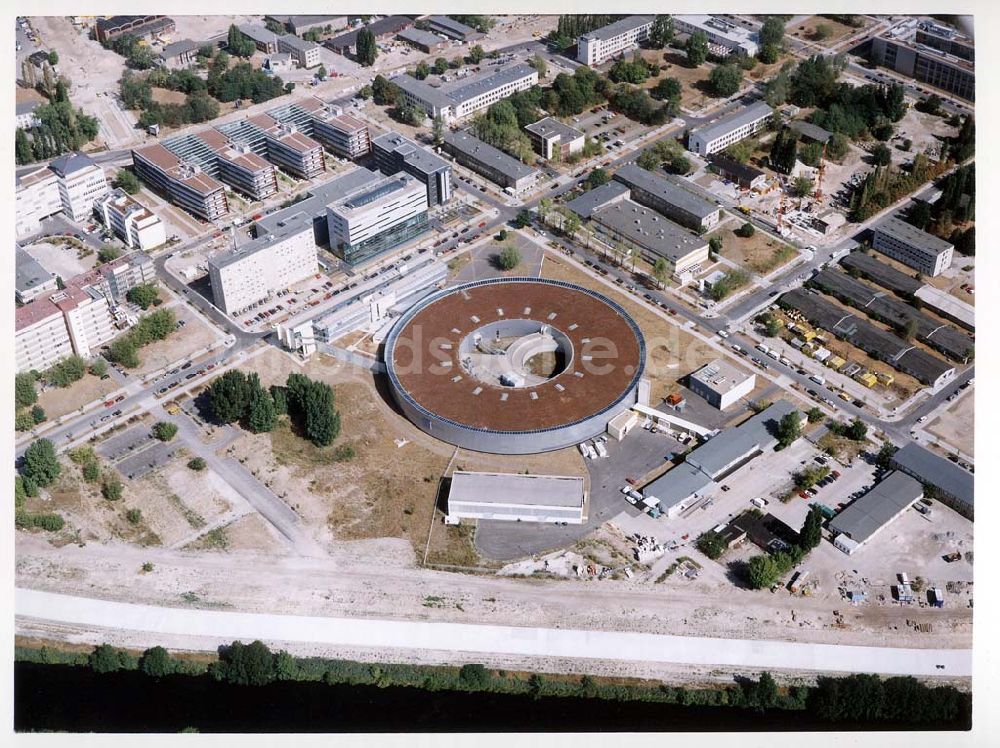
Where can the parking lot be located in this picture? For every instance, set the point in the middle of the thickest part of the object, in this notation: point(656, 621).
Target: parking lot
point(141, 463)
point(125, 443)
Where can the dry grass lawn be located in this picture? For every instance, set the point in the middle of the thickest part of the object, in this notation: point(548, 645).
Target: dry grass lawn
point(760, 254)
point(837, 31)
point(166, 96)
point(956, 425)
point(184, 342)
point(692, 95)
point(58, 401)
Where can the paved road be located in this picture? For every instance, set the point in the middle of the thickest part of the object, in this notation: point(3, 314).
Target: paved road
point(226, 626)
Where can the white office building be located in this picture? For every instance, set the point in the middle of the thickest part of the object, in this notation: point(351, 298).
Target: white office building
point(133, 223)
point(81, 184)
point(901, 241)
point(609, 41)
point(31, 280)
point(303, 51)
point(724, 37)
point(271, 263)
point(721, 383)
point(730, 129)
point(377, 217)
point(460, 98)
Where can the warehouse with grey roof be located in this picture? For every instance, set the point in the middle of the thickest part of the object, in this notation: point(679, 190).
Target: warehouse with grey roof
point(876, 509)
point(953, 484)
point(517, 497)
point(672, 196)
point(491, 162)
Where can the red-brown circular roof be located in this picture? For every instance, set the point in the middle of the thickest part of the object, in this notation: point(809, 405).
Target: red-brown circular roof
point(606, 363)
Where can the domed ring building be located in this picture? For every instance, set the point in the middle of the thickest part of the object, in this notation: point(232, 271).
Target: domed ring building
point(515, 365)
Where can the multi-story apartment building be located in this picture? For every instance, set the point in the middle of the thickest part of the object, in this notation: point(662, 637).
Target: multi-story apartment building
point(376, 218)
point(609, 41)
point(456, 99)
point(730, 129)
point(304, 52)
point(395, 153)
point(36, 197)
point(235, 163)
point(553, 139)
point(81, 317)
point(724, 37)
point(901, 241)
point(670, 195)
point(40, 335)
point(31, 280)
point(184, 184)
point(81, 184)
point(931, 53)
point(264, 39)
point(491, 162)
point(270, 263)
point(133, 223)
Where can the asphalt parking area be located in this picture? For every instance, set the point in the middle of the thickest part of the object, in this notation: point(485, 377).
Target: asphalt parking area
point(144, 462)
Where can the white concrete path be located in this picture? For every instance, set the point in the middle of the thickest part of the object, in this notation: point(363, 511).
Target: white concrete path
point(226, 626)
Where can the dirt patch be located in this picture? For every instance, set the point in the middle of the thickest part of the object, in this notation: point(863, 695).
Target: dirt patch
point(252, 533)
point(955, 425)
point(671, 352)
point(760, 253)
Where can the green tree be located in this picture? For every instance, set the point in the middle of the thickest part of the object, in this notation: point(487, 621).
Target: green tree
point(789, 428)
point(802, 187)
point(474, 676)
point(885, 455)
point(812, 529)
point(23, 152)
point(53, 57)
point(881, 155)
point(107, 253)
point(667, 89)
point(772, 32)
point(197, 464)
point(814, 415)
point(107, 659)
point(597, 177)
point(662, 32)
point(697, 48)
point(679, 165)
point(539, 64)
point(762, 572)
point(765, 692)
point(367, 48)
point(239, 44)
point(156, 662)
point(476, 54)
point(784, 150)
point(134, 516)
point(127, 181)
point(245, 665)
point(745, 231)
point(523, 218)
point(164, 431)
point(40, 464)
point(24, 389)
point(421, 71)
point(98, 367)
point(711, 544)
point(509, 257)
point(715, 244)
point(37, 414)
point(725, 80)
point(822, 32)
point(112, 488)
point(857, 431)
point(437, 128)
point(837, 146)
point(64, 373)
point(261, 416)
point(661, 271)
point(229, 396)
point(143, 295)
point(384, 92)
point(23, 421)
point(440, 66)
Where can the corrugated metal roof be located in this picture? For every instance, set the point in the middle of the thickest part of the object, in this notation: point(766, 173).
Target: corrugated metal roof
point(937, 471)
point(879, 506)
point(512, 488)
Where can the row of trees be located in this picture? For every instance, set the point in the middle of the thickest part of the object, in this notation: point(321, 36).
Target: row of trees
point(155, 326)
point(501, 126)
point(366, 48)
point(668, 153)
point(886, 184)
point(236, 396)
point(636, 70)
point(137, 56)
point(243, 81)
point(570, 27)
point(859, 699)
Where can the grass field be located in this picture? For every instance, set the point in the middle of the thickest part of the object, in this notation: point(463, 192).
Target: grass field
point(761, 253)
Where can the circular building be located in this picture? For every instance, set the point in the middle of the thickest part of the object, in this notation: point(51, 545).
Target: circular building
point(514, 365)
